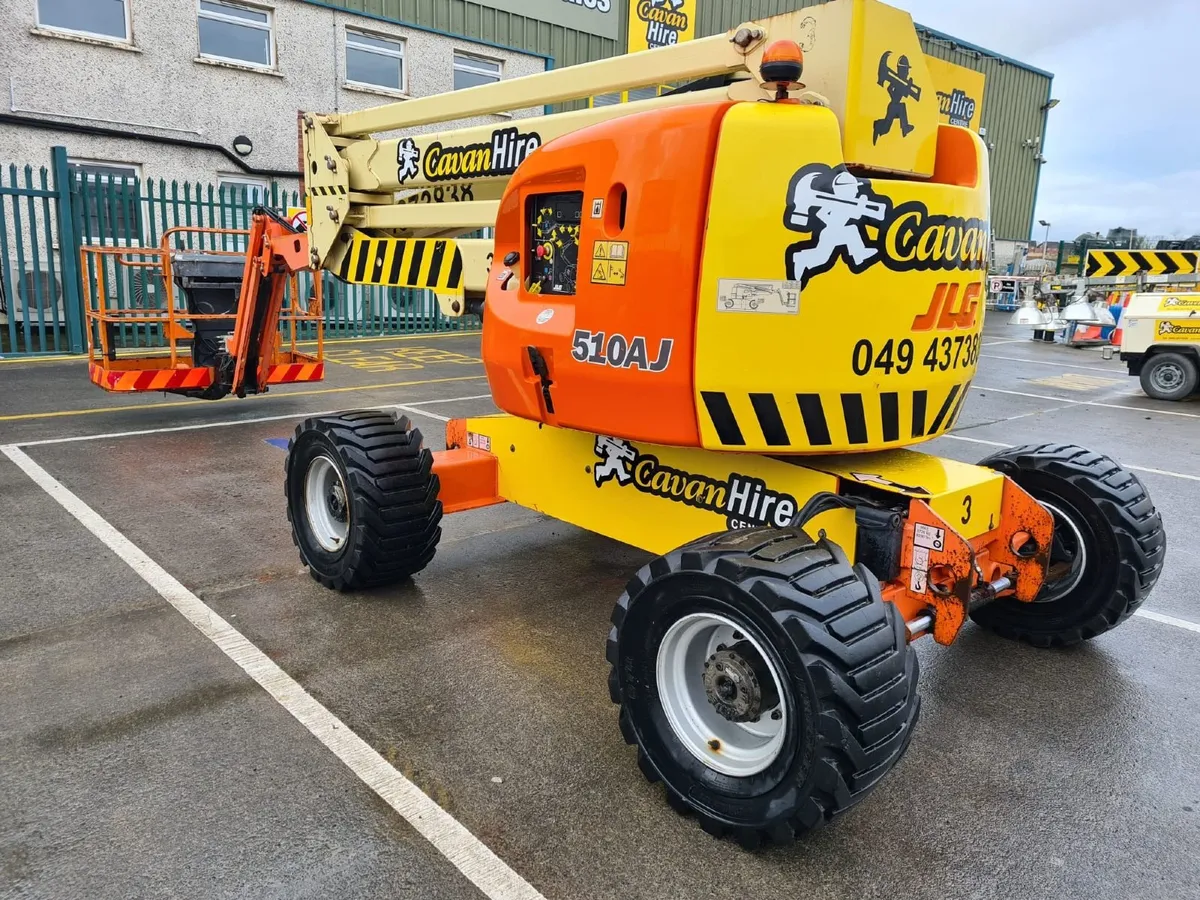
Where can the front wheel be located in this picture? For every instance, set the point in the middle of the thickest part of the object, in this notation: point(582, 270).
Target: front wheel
point(763, 680)
point(362, 499)
point(1107, 551)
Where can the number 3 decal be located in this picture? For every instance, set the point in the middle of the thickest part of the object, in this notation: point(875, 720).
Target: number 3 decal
point(966, 509)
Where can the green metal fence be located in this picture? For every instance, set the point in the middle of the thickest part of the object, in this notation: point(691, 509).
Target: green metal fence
point(47, 216)
point(39, 288)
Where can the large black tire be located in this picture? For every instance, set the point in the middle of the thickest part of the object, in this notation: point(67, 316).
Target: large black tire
point(1104, 511)
point(1169, 376)
point(849, 678)
point(388, 506)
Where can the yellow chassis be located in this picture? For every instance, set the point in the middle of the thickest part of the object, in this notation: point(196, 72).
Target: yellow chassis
point(959, 526)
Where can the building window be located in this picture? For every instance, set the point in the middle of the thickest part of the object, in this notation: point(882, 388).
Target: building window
point(470, 71)
point(236, 33)
point(374, 61)
point(110, 201)
point(104, 18)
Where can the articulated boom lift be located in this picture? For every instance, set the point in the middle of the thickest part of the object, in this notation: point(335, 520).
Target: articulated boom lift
point(713, 321)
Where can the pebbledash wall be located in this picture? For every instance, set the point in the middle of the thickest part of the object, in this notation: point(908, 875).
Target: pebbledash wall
point(573, 31)
point(155, 89)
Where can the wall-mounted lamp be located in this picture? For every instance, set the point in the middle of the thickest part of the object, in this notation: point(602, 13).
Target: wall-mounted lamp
point(242, 145)
point(1050, 104)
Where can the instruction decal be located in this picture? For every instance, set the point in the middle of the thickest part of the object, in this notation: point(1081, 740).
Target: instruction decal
point(609, 259)
point(746, 502)
point(929, 537)
point(479, 441)
point(597, 208)
point(758, 295)
point(918, 580)
point(620, 352)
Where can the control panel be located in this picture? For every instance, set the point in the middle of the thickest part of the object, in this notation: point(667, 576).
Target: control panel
point(554, 221)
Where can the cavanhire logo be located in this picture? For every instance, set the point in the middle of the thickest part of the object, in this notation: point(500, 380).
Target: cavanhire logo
point(745, 501)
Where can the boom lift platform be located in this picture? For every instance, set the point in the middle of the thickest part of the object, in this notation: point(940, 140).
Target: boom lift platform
point(713, 322)
point(223, 336)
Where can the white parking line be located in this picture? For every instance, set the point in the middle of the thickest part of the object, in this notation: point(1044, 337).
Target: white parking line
point(228, 422)
point(1168, 620)
point(450, 837)
point(1007, 341)
point(1141, 409)
point(1113, 370)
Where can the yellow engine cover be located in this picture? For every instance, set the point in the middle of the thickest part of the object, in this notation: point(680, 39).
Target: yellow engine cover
point(837, 311)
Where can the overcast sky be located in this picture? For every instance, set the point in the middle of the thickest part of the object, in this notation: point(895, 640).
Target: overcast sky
point(1124, 142)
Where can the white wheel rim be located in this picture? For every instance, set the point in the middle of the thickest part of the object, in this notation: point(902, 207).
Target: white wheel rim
point(1167, 377)
point(733, 748)
point(1056, 590)
point(326, 504)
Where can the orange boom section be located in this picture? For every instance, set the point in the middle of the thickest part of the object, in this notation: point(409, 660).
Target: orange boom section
point(591, 316)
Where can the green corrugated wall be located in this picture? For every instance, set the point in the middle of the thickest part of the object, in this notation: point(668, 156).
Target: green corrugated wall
point(1012, 104)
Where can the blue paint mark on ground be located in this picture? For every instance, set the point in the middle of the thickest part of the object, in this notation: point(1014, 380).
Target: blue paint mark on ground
point(281, 443)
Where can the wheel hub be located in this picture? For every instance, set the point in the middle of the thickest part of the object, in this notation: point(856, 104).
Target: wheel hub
point(337, 502)
point(1168, 377)
point(733, 684)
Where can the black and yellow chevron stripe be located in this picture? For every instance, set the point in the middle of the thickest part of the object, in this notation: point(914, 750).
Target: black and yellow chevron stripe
point(1111, 263)
point(434, 265)
point(331, 191)
point(834, 420)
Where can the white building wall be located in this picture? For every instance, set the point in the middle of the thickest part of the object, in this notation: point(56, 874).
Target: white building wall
point(158, 84)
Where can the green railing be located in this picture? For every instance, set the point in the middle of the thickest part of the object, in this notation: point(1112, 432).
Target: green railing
point(41, 288)
point(40, 310)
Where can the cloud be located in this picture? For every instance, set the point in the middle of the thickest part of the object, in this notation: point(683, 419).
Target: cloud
point(1122, 142)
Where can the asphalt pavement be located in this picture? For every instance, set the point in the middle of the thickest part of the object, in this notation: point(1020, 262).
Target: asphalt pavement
point(137, 760)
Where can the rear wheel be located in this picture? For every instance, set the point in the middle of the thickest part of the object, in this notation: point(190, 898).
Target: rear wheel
point(362, 499)
point(763, 680)
point(1107, 551)
point(1169, 376)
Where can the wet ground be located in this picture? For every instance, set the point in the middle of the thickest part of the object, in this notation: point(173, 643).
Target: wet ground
point(137, 760)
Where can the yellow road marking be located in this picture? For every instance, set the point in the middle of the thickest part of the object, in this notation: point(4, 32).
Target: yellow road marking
point(338, 390)
point(162, 351)
point(1073, 382)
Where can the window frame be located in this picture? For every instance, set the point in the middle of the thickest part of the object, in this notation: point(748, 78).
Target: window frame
point(79, 32)
point(273, 51)
point(468, 58)
point(401, 55)
point(77, 163)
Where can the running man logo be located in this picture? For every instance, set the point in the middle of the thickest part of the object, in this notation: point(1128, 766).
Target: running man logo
point(900, 87)
point(845, 219)
point(745, 502)
point(1178, 331)
point(660, 23)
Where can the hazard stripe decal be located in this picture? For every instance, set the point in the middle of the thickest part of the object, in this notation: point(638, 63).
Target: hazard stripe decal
point(769, 419)
point(149, 379)
point(336, 190)
point(859, 422)
point(814, 419)
point(723, 420)
point(941, 416)
point(889, 408)
point(426, 263)
point(918, 413)
point(1114, 263)
point(856, 419)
